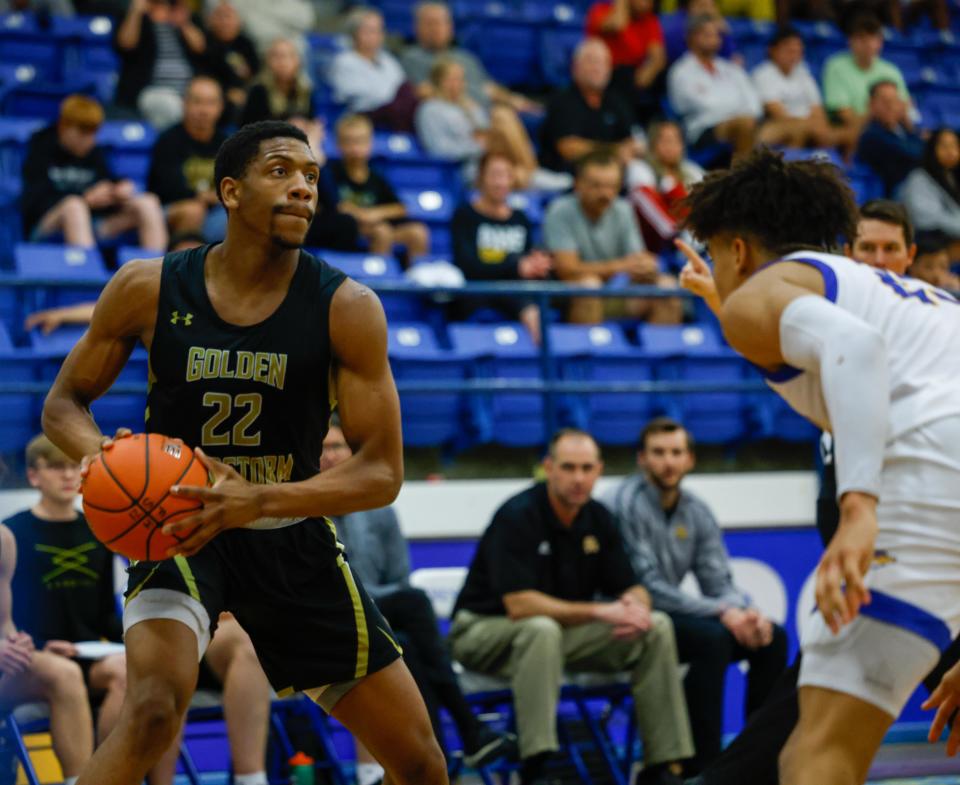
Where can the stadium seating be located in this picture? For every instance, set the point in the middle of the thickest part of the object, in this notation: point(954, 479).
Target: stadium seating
point(428, 418)
point(696, 354)
point(502, 351)
point(602, 353)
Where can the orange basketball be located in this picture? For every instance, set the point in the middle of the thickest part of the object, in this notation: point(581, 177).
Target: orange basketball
point(127, 499)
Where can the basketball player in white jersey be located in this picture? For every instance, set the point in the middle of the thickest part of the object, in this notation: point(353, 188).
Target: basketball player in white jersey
point(871, 357)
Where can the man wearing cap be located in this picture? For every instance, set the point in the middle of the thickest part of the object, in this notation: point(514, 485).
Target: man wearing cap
point(68, 189)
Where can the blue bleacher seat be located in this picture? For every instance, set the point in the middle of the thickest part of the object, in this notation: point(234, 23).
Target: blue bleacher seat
point(429, 419)
point(127, 253)
point(22, 42)
point(695, 353)
point(866, 184)
point(18, 412)
point(129, 146)
point(58, 264)
point(556, 52)
point(15, 133)
point(430, 206)
point(372, 268)
point(15, 73)
point(10, 222)
point(502, 350)
point(509, 49)
point(601, 353)
point(41, 99)
point(423, 173)
point(111, 411)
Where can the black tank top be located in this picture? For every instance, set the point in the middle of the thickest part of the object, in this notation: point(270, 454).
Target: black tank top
point(257, 397)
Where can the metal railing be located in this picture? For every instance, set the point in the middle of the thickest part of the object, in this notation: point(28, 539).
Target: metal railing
point(550, 386)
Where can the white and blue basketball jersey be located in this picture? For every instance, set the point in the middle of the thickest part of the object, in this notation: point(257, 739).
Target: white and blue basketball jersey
point(920, 325)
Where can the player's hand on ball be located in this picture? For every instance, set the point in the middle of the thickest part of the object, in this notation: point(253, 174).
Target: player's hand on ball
point(229, 503)
point(945, 699)
point(840, 586)
point(106, 443)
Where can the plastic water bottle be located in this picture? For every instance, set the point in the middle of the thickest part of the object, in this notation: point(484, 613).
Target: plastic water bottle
point(301, 770)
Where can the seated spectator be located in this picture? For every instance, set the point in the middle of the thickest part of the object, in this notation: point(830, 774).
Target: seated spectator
point(632, 33)
point(931, 193)
point(452, 125)
point(267, 20)
point(529, 610)
point(283, 91)
point(181, 167)
point(715, 97)
point(790, 94)
point(884, 237)
point(369, 79)
point(848, 77)
point(31, 676)
point(888, 145)
point(593, 236)
point(668, 533)
point(231, 57)
point(492, 241)
point(658, 185)
point(368, 197)
point(932, 263)
point(379, 558)
point(62, 602)
point(68, 188)
point(434, 39)
point(161, 46)
point(587, 115)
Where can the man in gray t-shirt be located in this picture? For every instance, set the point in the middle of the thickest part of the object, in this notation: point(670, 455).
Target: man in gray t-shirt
point(593, 236)
point(434, 34)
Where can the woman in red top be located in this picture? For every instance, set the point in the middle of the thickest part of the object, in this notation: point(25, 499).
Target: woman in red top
point(632, 33)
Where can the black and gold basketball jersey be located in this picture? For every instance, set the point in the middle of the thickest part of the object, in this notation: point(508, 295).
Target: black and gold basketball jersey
point(256, 397)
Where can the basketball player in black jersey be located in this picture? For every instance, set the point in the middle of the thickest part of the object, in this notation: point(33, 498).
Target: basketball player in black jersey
point(250, 341)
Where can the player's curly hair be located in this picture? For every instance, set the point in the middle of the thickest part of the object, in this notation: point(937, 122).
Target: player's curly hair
point(785, 206)
point(239, 149)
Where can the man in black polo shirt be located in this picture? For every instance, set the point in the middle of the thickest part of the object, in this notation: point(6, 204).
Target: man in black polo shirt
point(588, 114)
point(530, 608)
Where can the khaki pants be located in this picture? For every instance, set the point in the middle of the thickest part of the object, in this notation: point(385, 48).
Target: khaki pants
point(533, 653)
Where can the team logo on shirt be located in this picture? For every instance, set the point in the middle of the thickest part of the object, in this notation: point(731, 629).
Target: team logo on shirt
point(544, 548)
point(176, 318)
point(680, 532)
point(591, 545)
point(67, 560)
point(881, 558)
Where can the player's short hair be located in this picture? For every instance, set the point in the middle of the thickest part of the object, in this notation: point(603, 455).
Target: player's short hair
point(81, 111)
point(932, 242)
point(660, 425)
point(783, 33)
point(236, 153)
point(864, 24)
point(889, 212)
point(785, 206)
point(41, 448)
point(348, 121)
point(875, 86)
point(563, 433)
point(599, 157)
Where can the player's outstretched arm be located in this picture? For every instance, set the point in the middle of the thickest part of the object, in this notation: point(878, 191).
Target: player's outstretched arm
point(125, 312)
point(780, 317)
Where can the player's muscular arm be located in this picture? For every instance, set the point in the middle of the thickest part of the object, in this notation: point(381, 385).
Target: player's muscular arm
point(125, 312)
point(369, 415)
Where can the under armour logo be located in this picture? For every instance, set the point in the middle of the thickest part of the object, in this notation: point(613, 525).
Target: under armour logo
point(176, 318)
point(68, 560)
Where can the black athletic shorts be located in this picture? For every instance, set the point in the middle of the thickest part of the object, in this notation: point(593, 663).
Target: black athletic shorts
point(312, 624)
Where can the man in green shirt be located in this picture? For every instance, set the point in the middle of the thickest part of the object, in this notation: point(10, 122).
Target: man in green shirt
point(848, 77)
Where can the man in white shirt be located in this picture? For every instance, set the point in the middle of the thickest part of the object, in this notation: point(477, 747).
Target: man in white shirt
point(715, 97)
point(790, 94)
